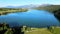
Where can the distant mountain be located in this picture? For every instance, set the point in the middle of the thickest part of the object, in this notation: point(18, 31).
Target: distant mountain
point(29, 6)
point(24, 6)
point(10, 7)
point(48, 7)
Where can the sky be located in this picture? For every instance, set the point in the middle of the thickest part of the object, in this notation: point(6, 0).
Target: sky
point(27, 2)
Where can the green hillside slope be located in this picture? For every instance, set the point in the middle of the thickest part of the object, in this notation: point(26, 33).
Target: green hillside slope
point(50, 8)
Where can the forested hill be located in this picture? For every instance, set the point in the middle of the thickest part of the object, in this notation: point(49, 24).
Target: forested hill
point(50, 8)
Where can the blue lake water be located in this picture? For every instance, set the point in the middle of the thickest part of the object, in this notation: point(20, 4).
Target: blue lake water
point(32, 18)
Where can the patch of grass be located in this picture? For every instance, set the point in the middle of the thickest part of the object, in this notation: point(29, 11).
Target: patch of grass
point(8, 32)
point(38, 31)
point(56, 31)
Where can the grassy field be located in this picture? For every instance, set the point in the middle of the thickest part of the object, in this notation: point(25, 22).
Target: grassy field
point(56, 31)
point(51, 30)
point(4, 11)
point(28, 30)
point(43, 31)
point(38, 31)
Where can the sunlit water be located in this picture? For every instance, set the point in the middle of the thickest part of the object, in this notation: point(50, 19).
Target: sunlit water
point(32, 18)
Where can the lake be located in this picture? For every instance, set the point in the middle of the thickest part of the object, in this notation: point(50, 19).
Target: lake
point(31, 18)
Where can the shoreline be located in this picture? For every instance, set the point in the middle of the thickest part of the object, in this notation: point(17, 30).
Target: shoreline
point(3, 12)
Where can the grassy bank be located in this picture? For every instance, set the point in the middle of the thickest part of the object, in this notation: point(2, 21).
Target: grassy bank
point(4, 11)
point(5, 29)
point(38, 31)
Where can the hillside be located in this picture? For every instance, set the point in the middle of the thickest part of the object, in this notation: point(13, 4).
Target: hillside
point(50, 8)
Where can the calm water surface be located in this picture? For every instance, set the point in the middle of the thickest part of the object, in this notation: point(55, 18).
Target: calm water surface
point(32, 18)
